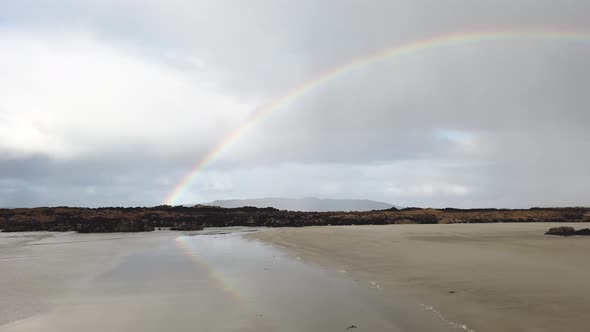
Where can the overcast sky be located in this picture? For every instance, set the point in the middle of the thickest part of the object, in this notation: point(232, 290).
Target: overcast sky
point(111, 102)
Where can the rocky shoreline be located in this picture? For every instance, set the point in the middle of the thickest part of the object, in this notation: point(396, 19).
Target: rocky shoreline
point(142, 219)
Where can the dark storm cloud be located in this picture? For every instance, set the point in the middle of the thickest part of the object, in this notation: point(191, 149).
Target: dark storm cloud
point(112, 181)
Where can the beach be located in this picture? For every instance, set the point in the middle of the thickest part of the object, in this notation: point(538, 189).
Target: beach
point(481, 277)
point(210, 280)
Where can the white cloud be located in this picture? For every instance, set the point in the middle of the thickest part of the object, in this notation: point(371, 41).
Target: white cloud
point(72, 94)
point(430, 189)
point(425, 190)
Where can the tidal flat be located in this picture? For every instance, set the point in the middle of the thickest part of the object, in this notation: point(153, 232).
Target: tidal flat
point(211, 280)
point(484, 277)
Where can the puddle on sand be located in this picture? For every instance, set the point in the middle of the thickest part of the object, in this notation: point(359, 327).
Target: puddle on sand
point(223, 282)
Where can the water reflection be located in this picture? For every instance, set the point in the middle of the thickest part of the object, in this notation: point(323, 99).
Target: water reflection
point(219, 281)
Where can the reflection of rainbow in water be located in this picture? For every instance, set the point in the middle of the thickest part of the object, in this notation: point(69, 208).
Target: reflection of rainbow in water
point(339, 70)
point(220, 282)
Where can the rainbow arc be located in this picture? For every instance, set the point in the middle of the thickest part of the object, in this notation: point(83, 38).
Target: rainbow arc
point(340, 70)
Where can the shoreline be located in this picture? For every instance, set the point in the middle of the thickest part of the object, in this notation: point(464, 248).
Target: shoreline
point(501, 277)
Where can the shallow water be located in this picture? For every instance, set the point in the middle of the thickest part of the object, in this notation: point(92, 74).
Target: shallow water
point(210, 281)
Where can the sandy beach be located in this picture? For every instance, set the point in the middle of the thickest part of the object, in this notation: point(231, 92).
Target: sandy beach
point(489, 277)
point(211, 280)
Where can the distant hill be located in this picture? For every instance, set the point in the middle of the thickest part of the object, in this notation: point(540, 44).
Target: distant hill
point(305, 204)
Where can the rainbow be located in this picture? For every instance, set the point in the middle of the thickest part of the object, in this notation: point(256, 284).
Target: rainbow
point(221, 283)
point(184, 243)
point(337, 71)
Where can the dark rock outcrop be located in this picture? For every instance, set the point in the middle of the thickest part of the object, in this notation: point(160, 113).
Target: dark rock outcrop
point(562, 231)
point(118, 219)
point(187, 226)
point(567, 231)
point(83, 220)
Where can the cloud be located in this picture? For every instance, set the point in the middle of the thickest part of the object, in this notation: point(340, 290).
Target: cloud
point(69, 94)
point(113, 102)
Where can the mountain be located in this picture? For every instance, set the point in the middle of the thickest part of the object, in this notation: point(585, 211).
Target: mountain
point(305, 204)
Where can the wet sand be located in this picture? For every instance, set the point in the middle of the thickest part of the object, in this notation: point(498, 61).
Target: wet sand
point(490, 277)
point(39, 268)
point(169, 281)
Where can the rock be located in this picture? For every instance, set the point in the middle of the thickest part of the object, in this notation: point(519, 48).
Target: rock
point(111, 225)
point(141, 219)
point(404, 222)
point(561, 231)
point(187, 226)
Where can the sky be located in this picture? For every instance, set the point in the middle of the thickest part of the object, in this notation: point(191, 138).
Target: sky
point(113, 103)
